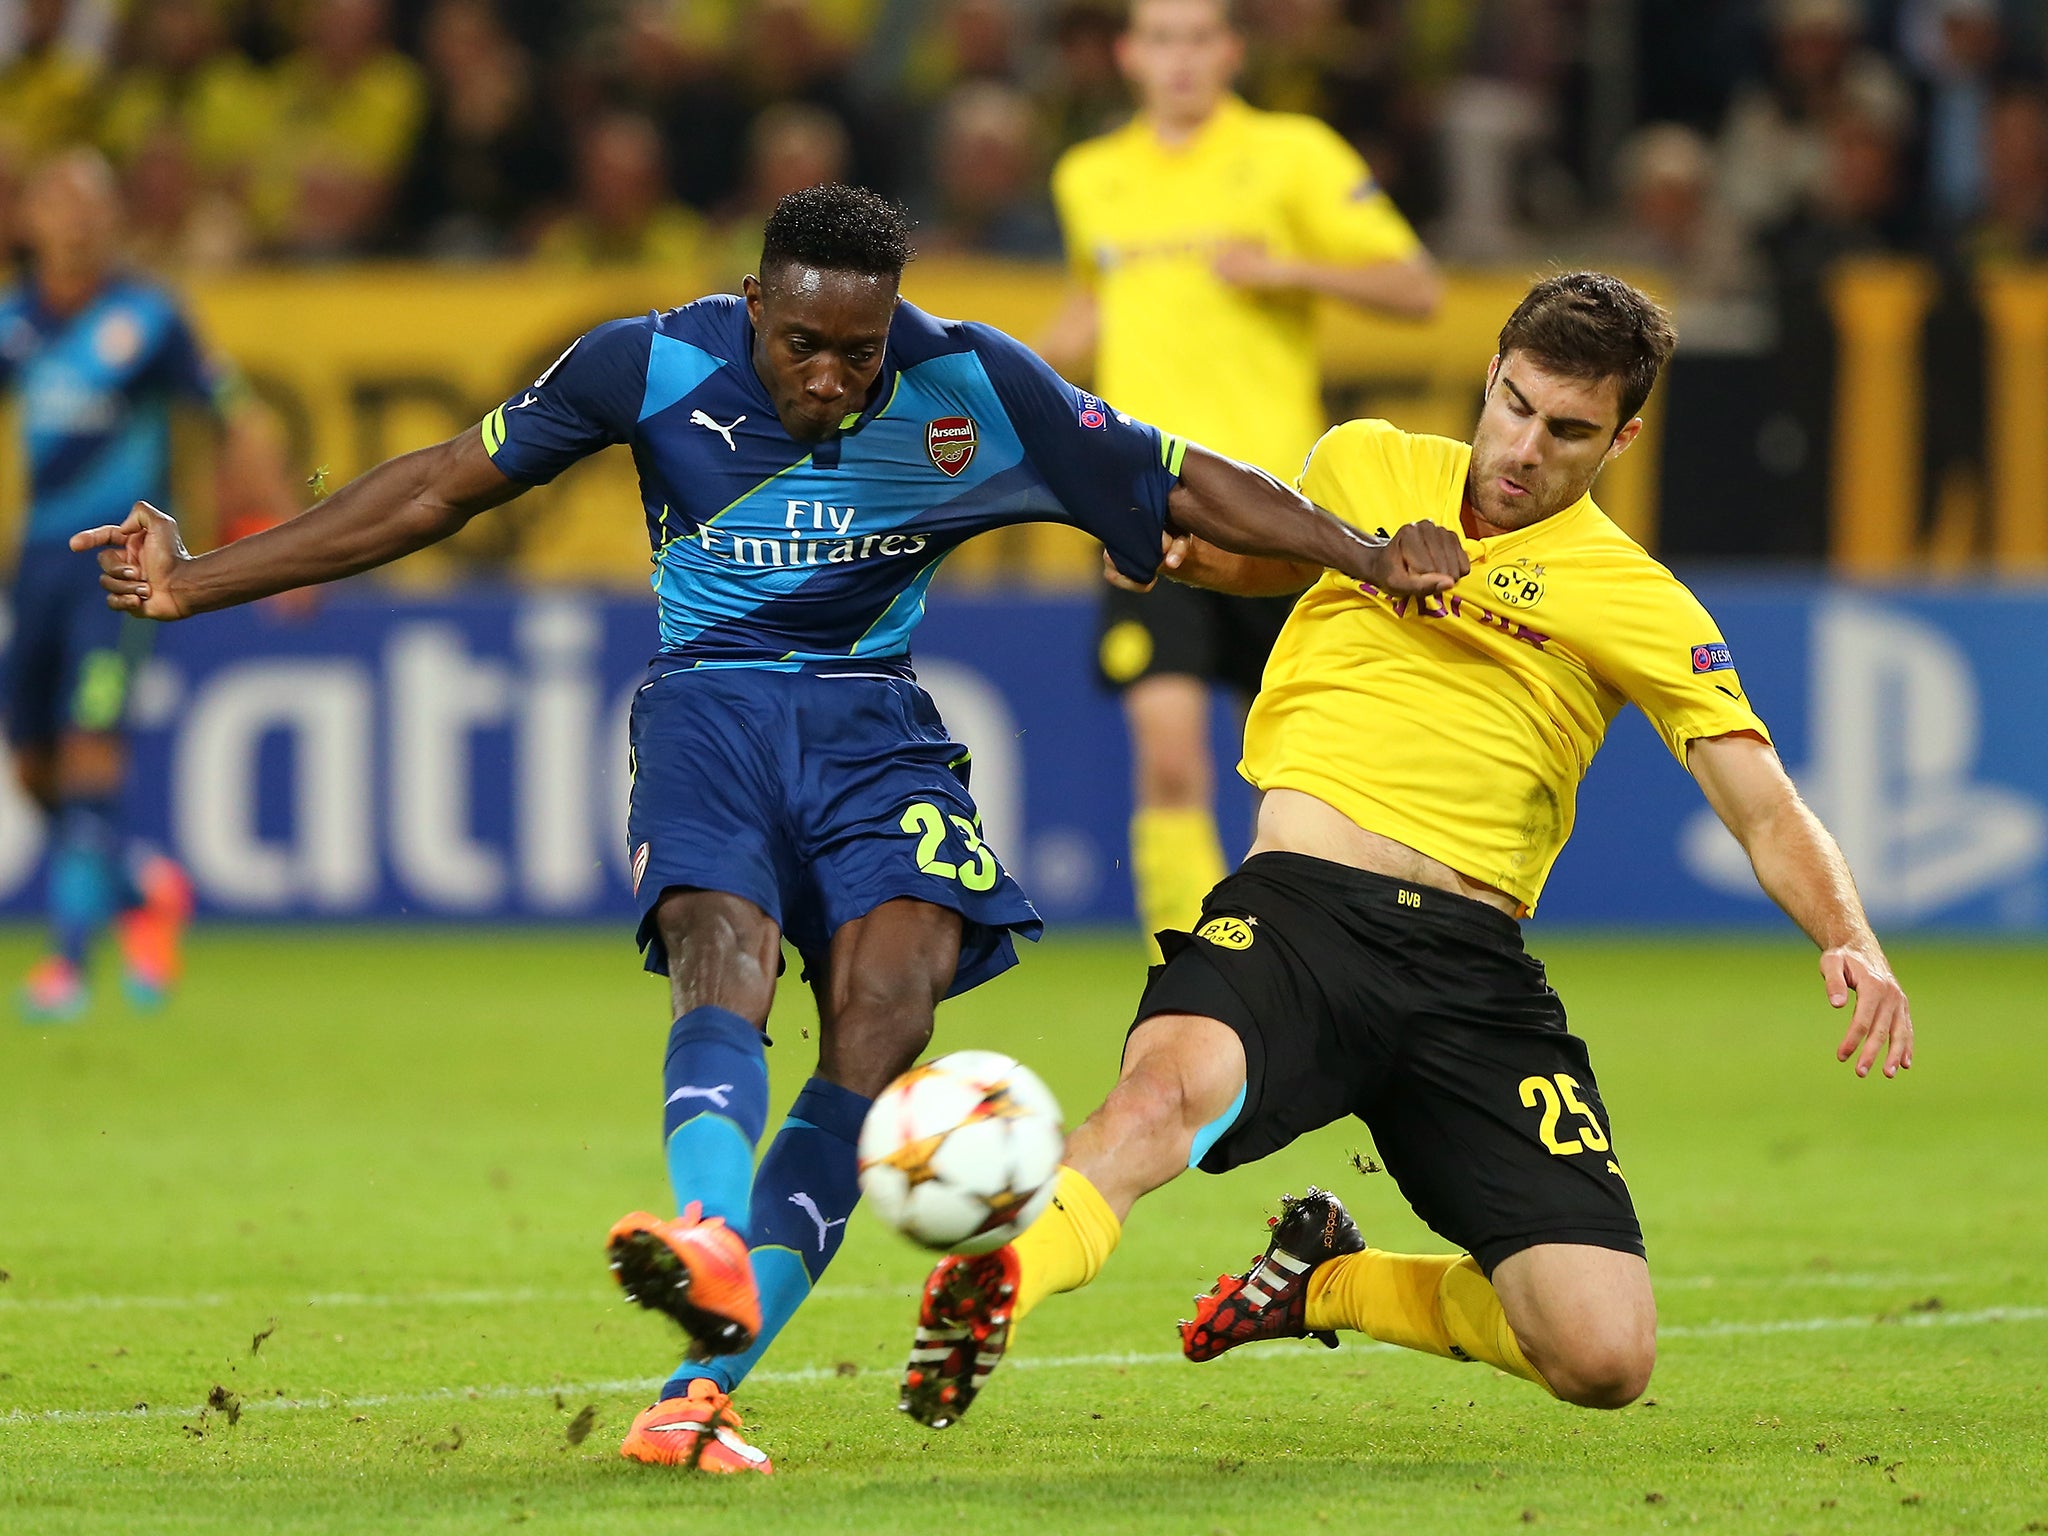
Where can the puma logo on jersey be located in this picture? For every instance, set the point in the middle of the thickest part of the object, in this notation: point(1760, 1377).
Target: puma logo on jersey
point(699, 419)
point(521, 405)
point(809, 1207)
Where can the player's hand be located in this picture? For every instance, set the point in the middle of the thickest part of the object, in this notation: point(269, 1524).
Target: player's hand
point(1882, 1024)
point(1248, 264)
point(139, 560)
point(1174, 550)
point(1422, 560)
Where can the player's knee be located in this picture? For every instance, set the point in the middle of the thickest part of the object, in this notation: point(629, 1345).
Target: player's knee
point(1180, 1071)
point(1608, 1370)
point(90, 763)
point(721, 950)
point(1173, 782)
point(1157, 1106)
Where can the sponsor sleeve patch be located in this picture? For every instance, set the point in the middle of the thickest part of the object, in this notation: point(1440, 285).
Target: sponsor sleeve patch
point(1712, 658)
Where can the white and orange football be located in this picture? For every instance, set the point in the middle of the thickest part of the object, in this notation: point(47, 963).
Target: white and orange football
point(961, 1154)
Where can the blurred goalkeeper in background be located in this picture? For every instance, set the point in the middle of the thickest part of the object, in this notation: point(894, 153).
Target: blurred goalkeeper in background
point(1200, 236)
point(95, 359)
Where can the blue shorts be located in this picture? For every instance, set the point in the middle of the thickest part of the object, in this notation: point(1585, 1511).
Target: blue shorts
point(817, 797)
point(71, 660)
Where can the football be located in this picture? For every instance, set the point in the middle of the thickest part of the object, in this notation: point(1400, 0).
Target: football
point(961, 1154)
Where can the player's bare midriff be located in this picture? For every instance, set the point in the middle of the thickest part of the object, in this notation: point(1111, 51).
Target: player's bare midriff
point(1292, 822)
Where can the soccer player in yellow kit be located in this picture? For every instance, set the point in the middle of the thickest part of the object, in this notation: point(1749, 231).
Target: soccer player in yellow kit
point(1200, 235)
point(1420, 759)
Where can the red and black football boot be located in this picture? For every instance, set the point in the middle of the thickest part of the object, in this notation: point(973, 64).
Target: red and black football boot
point(963, 1327)
point(1270, 1300)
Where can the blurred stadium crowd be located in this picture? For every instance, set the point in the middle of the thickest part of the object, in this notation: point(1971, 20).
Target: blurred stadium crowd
point(1730, 143)
point(1729, 153)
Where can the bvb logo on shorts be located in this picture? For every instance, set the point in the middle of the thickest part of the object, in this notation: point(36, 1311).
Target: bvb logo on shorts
point(1519, 585)
point(1228, 932)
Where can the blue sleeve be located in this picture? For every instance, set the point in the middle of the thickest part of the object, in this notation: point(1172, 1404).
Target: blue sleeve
point(17, 339)
point(1111, 474)
point(588, 400)
point(183, 367)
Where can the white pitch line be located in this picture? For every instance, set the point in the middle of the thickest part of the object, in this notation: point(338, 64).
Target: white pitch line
point(1826, 1324)
point(1822, 1279)
point(530, 1296)
point(819, 1373)
point(258, 1304)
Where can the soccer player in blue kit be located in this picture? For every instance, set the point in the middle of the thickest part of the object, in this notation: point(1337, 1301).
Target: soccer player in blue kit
point(807, 455)
point(96, 358)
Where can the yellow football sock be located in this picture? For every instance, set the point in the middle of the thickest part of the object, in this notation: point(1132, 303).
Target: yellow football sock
point(1065, 1248)
point(1176, 860)
point(1439, 1303)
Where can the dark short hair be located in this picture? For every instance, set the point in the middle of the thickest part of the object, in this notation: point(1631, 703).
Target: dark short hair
point(838, 228)
point(1590, 325)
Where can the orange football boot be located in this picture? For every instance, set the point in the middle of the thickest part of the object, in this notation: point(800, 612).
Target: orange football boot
point(53, 991)
point(694, 1269)
point(152, 935)
point(699, 1431)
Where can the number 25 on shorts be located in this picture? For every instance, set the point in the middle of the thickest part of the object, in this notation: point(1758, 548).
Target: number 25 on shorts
point(929, 823)
point(1556, 1095)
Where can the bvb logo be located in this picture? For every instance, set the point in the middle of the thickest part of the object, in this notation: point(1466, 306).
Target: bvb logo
point(1228, 932)
point(1519, 585)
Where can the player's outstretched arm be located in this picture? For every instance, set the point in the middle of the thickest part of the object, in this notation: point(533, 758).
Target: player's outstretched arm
point(402, 505)
point(1290, 541)
point(1802, 869)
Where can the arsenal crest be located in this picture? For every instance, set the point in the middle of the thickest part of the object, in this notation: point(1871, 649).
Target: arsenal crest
point(951, 441)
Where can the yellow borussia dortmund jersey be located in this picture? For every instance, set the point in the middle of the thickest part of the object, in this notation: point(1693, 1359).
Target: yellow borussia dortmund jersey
point(1462, 725)
point(1179, 347)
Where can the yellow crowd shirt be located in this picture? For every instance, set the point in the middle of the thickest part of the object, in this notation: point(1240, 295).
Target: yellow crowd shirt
point(1231, 368)
point(1462, 725)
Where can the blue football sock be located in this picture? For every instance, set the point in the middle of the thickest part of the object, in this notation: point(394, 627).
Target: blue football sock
point(85, 875)
point(715, 1082)
point(805, 1189)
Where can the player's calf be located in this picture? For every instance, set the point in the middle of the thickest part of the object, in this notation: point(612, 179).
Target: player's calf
point(1270, 1300)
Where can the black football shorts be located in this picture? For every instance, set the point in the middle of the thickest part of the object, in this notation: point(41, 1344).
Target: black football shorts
point(1420, 1013)
point(1177, 630)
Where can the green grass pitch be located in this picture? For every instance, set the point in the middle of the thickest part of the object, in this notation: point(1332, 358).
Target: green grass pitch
point(359, 1184)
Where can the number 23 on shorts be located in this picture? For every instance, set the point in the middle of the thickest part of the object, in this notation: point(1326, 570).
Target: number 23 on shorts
point(979, 872)
point(1555, 1095)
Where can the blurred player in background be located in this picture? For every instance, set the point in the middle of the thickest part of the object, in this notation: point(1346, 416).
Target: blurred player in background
point(1200, 236)
point(95, 358)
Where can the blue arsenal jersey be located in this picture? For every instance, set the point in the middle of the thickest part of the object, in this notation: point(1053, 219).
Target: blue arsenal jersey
point(771, 552)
